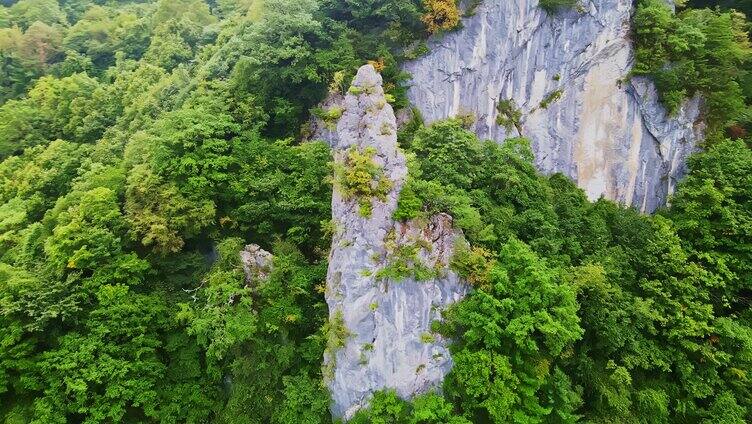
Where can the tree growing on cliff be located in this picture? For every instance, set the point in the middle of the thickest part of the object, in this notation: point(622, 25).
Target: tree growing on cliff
point(441, 15)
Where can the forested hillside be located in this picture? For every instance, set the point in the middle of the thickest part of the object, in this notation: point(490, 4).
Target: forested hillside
point(144, 143)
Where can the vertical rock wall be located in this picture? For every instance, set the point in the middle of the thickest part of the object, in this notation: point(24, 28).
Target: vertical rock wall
point(380, 328)
point(568, 76)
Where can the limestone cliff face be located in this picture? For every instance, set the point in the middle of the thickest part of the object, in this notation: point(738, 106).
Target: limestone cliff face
point(566, 74)
point(379, 331)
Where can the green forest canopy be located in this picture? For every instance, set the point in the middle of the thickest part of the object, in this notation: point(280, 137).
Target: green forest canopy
point(143, 143)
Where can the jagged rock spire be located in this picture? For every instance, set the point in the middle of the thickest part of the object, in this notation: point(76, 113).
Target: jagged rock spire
point(380, 325)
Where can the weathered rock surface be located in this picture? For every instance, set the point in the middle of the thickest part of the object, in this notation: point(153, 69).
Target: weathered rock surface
point(612, 137)
point(257, 263)
point(388, 344)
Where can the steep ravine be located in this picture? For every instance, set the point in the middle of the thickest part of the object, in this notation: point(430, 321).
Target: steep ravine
point(567, 75)
point(380, 326)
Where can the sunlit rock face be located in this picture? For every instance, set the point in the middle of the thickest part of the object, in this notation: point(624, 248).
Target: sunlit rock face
point(568, 75)
point(387, 340)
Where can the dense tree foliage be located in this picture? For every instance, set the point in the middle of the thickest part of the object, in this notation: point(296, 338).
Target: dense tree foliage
point(740, 5)
point(144, 143)
point(697, 51)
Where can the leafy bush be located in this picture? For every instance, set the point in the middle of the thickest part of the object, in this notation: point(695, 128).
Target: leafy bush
point(402, 261)
point(509, 115)
point(551, 6)
point(361, 178)
point(441, 15)
point(336, 333)
point(329, 116)
point(473, 264)
point(551, 98)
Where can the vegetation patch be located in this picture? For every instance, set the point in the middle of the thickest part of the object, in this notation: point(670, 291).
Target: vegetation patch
point(329, 116)
point(359, 177)
point(441, 15)
point(472, 6)
point(336, 334)
point(510, 116)
point(473, 264)
point(418, 50)
point(427, 338)
point(551, 98)
point(467, 118)
point(403, 260)
point(355, 90)
point(552, 6)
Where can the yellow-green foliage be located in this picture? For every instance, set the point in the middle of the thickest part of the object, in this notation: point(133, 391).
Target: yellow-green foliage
point(403, 261)
point(550, 98)
point(336, 334)
point(474, 264)
point(441, 15)
point(338, 82)
point(361, 178)
point(329, 116)
point(427, 338)
point(466, 118)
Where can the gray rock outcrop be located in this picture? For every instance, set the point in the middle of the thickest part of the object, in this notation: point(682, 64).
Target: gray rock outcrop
point(380, 327)
point(257, 263)
point(567, 74)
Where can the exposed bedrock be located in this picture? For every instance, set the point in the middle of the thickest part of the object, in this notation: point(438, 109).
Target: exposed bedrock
point(380, 328)
point(567, 74)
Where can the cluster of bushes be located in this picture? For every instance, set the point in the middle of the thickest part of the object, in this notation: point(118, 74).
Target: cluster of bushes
point(552, 6)
point(361, 178)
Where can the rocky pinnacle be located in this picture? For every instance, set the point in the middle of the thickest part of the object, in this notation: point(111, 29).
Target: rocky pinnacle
point(379, 334)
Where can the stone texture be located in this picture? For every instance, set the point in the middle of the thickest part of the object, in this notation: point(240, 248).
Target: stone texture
point(386, 320)
point(320, 130)
point(611, 136)
point(256, 262)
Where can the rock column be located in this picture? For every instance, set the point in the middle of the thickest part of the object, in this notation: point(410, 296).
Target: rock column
point(380, 325)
